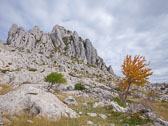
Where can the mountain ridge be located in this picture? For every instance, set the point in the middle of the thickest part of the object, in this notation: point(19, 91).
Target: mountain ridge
point(59, 39)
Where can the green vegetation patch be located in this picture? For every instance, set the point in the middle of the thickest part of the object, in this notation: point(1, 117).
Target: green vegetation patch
point(55, 77)
point(79, 86)
point(119, 102)
point(32, 69)
point(117, 89)
point(4, 71)
point(136, 120)
point(65, 40)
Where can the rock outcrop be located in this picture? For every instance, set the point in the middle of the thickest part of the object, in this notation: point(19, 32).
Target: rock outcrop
point(28, 57)
point(158, 92)
point(59, 40)
point(33, 100)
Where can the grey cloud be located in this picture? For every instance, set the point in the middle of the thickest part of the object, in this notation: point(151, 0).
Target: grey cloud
point(116, 27)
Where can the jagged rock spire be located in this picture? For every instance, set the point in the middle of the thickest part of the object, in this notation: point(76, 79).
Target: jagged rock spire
point(60, 39)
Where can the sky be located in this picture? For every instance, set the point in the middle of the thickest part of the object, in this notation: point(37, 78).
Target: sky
point(115, 27)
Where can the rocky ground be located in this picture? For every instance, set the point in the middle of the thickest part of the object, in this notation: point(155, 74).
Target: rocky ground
point(27, 57)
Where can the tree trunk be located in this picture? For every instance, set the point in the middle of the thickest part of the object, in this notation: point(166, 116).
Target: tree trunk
point(126, 93)
point(50, 86)
point(121, 96)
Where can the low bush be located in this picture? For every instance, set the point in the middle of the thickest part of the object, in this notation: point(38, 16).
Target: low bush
point(162, 88)
point(4, 71)
point(136, 120)
point(117, 89)
point(119, 102)
point(79, 86)
point(32, 69)
point(54, 78)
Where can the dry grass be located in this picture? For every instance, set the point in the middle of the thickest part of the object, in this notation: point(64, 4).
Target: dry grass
point(118, 118)
point(5, 89)
point(147, 104)
point(160, 108)
point(41, 121)
point(134, 99)
point(141, 91)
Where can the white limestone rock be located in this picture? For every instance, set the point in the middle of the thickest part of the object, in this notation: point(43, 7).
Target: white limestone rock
point(80, 113)
point(162, 122)
point(59, 39)
point(70, 100)
point(117, 107)
point(36, 102)
point(90, 123)
point(30, 121)
point(91, 53)
point(84, 104)
point(103, 116)
point(110, 69)
point(98, 104)
point(164, 97)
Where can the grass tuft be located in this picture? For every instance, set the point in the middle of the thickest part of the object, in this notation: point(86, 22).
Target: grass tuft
point(119, 102)
point(5, 89)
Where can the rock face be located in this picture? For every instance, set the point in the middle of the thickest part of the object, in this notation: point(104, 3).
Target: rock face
point(158, 92)
point(28, 57)
point(118, 108)
point(59, 40)
point(101, 92)
point(36, 102)
point(160, 121)
point(70, 100)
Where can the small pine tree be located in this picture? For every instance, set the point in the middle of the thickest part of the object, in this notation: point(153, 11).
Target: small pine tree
point(54, 78)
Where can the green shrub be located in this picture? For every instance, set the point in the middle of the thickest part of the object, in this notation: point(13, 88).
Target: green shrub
point(119, 102)
point(65, 40)
point(41, 52)
point(136, 120)
point(13, 50)
point(4, 71)
point(162, 88)
point(32, 69)
point(54, 78)
point(117, 89)
point(18, 69)
point(79, 86)
point(9, 63)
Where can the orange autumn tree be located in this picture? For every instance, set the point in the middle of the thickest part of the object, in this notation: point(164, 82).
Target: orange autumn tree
point(136, 72)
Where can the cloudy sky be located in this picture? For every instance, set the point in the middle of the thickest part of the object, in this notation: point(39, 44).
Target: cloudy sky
point(115, 27)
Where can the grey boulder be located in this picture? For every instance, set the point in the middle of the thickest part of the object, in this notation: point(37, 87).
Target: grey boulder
point(35, 101)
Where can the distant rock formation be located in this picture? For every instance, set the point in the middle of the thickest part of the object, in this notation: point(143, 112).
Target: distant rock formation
point(59, 40)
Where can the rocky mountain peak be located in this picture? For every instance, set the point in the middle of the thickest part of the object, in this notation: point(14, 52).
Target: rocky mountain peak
point(59, 40)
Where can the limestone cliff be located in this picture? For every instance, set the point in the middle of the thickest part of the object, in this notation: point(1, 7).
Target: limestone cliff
point(59, 40)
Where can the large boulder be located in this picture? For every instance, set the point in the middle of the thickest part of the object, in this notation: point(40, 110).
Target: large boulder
point(162, 122)
point(118, 108)
point(32, 100)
